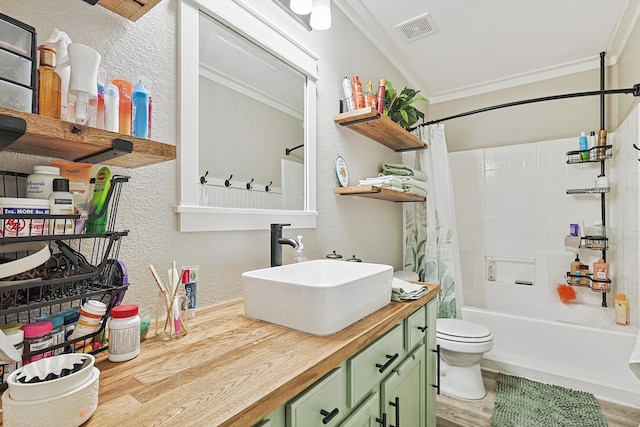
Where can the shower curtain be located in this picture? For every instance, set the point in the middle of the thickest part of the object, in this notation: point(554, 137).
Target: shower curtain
point(430, 238)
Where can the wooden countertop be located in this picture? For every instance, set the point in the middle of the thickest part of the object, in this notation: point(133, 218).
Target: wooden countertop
point(229, 370)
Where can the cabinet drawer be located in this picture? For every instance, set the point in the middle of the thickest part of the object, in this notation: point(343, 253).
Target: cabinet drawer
point(416, 328)
point(370, 366)
point(322, 404)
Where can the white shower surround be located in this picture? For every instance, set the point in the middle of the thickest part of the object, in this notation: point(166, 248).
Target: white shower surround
point(511, 204)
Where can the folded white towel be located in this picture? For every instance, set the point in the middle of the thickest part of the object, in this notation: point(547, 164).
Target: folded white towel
point(402, 291)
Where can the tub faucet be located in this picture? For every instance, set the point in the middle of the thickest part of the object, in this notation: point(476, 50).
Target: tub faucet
point(276, 244)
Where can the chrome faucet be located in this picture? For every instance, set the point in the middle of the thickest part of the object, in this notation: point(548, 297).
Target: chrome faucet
point(276, 244)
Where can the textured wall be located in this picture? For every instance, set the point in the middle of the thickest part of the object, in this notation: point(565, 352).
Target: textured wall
point(371, 229)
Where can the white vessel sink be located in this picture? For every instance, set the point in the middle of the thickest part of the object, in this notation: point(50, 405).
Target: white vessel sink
point(319, 297)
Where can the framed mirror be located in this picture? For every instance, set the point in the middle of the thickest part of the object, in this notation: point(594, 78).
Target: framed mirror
point(247, 103)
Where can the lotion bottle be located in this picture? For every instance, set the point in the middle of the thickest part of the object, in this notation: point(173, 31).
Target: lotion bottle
point(61, 203)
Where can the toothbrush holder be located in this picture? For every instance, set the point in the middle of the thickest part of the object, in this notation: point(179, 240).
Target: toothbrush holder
point(172, 315)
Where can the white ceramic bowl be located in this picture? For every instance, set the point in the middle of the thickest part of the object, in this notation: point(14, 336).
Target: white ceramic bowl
point(70, 409)
point(41, 368)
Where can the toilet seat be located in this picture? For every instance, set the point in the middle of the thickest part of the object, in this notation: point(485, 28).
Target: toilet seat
point(462, 331)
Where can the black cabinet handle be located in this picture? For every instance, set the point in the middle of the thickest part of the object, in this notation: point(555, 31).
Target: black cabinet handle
point(383, 421)
point(437, 385)
point(328, 416)
point(423, 328)
point(382, 368)
point(396, 404)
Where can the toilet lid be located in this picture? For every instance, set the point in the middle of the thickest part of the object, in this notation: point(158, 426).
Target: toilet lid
point(462, 331)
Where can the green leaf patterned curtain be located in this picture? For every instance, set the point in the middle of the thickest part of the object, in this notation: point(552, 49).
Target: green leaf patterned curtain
point(430, 239)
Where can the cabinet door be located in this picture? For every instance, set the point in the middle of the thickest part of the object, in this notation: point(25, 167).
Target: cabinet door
point(374, 363)
point(403, 393)
point(432, 356)
point(323, 404)
point(366, 414)
point(416, 328)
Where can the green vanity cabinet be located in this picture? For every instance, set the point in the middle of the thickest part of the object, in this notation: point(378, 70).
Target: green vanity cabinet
point(391, 382)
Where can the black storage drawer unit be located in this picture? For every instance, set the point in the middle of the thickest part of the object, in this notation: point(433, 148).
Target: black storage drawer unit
point(18, 65)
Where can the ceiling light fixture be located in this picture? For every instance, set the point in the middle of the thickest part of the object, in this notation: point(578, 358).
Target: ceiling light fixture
point(301, 7)
point(321, 15)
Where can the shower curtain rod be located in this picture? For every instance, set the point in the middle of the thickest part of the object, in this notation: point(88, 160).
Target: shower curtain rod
point(635, 90)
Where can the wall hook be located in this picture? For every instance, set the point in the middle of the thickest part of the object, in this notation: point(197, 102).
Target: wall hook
point(227, 182)
point(249, 187)
point(203, 178)
point(636, 147)
point(267, 188)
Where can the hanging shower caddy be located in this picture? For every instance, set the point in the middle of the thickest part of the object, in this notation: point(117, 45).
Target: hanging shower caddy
point(81, 266)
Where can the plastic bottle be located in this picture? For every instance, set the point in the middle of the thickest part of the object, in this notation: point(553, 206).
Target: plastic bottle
point(298, 253)
point(575, 270)
point(40, 182)
point(370, 98)
point(348, 94)
point(140, 110)
point(600, 275)
point(584, 146)
point(101, 84)
point(622, 309)
point(49, 84)
point(98, 201)
point(124, 88)
point(592, 143)
point(382, 89)
point(111, 107)
point(602, 141)
point(61, 41)
point(89, 321)
point(358, 96)
point(61, 203)
point(124, 333)
point(37, 337)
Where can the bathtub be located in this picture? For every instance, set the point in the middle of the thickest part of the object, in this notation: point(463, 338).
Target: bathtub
point(575, 346)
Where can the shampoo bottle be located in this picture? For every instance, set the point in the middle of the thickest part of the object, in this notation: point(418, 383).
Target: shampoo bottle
point(49, 84)
point(622, 309)
point(140, 110)
point(575, 270)
point(584, 146)
point(358, 95)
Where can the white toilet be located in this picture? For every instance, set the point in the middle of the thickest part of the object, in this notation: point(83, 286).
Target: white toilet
point(462, 345)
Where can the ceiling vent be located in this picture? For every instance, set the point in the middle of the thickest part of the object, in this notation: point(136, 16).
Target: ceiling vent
point(416, 28)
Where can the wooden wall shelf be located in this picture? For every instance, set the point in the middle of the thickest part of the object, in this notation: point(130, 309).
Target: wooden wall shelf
point(370, 123)
point(64, 140)
point(130, 9)
point(373, 192)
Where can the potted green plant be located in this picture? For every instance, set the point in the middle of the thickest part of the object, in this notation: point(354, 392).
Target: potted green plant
point(399, 106)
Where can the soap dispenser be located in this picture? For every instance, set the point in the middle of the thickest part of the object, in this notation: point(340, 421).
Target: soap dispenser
point(298, 253)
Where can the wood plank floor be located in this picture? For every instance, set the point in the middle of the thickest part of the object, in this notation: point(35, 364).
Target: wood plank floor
point(452, 412)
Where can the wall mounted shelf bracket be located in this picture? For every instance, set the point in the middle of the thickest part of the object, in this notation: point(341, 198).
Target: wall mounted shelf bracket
point(11, 129)
point(120, 147)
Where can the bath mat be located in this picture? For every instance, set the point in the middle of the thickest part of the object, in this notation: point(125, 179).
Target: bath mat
point(525, 403)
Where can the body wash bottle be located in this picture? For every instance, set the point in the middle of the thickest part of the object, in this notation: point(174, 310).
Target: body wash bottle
point(140, 110)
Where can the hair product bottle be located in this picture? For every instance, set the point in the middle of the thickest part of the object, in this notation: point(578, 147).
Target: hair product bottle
point(370, 98)
point(358, 95)
point(49, 84)
point(124, 87)
point(584, 146)
point(140, 110)
point(347, 88)
point(382, 89)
